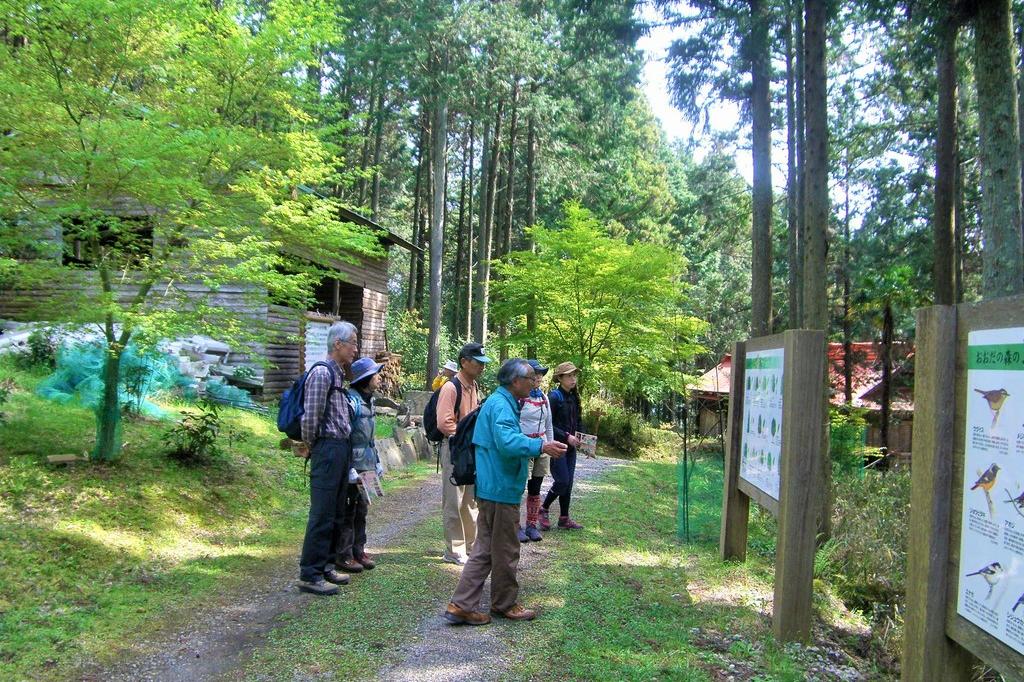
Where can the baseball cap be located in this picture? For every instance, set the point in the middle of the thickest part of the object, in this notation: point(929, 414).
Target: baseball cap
point(474, 351)
point(537, 367)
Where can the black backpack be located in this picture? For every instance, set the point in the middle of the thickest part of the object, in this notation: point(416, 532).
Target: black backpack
point(433, 434)
point(462, 450)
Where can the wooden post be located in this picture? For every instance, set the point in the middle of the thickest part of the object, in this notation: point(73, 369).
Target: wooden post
point(798, 498)
point(928, 654)
point(732, 543)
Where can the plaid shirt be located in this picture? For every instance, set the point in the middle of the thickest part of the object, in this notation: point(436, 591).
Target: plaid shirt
point(336, 424)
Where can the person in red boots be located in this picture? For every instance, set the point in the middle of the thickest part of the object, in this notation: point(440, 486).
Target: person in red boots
point(567, 416)
point(535, 420)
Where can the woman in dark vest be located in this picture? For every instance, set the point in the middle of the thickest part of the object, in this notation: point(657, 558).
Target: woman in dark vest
point(567, 416)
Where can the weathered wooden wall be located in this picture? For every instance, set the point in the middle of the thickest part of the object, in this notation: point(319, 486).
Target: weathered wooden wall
point(375, 310)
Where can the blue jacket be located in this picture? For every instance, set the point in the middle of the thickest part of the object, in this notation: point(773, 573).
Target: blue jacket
point(502, 451)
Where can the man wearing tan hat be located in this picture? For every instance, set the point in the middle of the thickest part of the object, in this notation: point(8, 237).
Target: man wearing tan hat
point(566, 415)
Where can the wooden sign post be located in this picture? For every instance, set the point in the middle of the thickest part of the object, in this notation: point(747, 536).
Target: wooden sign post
point(774, 454)
point(965, 567)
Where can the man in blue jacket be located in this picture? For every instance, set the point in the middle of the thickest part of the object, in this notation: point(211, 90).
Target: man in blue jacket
point(502, 463)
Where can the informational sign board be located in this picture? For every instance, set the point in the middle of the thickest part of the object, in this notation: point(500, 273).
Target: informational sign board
point(761, 439)
point(774, 450)
point(315, 347)
point(991, 580)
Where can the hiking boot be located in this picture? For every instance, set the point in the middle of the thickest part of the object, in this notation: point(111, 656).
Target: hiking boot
point(533, 534)
point(318, 586)
point(456, 616)
point(522, 534)
point(351, 566)
point(336, 577)
point(545, 519)
point(565, 523)
point(456, 559)
point(517, 612)
point(366, 561)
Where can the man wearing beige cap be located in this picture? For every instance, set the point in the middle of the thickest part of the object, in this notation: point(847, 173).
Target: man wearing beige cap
point(458, 397)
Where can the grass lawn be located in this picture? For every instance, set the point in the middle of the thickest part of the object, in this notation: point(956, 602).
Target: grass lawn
point(625, 600)
point(94, 554)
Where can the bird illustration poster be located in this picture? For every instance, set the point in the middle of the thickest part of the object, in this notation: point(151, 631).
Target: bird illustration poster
point(762, 417)
point(991, 577)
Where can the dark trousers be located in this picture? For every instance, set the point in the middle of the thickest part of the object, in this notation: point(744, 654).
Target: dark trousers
point(495, 553)
point(329, 462)
point(349, 539)
point(563, 471)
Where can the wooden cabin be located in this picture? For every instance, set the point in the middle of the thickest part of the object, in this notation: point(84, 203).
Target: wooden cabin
point(356, 292)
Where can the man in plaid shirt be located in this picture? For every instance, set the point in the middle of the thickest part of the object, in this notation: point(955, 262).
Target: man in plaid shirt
point(326, 426)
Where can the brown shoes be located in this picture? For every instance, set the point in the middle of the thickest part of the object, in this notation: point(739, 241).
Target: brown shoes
point(456, 616)
point(366, 561)
point(517, 612)
point(351, 566)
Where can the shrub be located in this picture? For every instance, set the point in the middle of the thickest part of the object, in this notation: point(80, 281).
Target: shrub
point(41, 351)
point(193, 440)
point(617, 426)
point(867, 555)
point(848, 427)
point(6, 387)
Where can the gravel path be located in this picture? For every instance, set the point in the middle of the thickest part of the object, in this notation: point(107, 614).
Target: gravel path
point(439, 651)
point(224, 633)
point(220, 637)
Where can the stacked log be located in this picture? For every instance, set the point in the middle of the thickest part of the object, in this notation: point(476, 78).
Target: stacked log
point(390, 374)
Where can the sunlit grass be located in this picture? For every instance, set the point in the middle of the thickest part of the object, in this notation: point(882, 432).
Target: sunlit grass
point(93, 556)
point(626, 600)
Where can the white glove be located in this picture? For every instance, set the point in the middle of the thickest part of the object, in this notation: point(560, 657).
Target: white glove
point(379, 469)
point(352, 476)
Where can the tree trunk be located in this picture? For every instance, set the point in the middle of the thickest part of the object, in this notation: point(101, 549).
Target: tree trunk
point(801, 157)
point(995, 74)
point(460, 247)
point(945, 166)
point(488, 186)
point(816, 202)
point(531, 220)
point(847, 314)
point(108, 415)
point(792, 182)
point(364, 157)
point(760, 106)
point(483, 249)
point(378, 141)
point(816, 211)
point(414, 259)
point(887, 333)
point(509, 205)
point(467, 306)
point(438, 156)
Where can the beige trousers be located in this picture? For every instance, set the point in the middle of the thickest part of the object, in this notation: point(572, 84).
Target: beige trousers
point(496, 553)
point(458, 510)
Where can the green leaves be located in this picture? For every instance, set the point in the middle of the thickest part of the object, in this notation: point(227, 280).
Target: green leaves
point(611, 307)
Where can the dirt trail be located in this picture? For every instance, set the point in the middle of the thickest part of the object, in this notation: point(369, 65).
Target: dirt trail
point(221, 636)
point(439, 651)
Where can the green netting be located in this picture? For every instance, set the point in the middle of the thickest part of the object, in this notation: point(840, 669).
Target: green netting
point(230, 395)
point(78, 378)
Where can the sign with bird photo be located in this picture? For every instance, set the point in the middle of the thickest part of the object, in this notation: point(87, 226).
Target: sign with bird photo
point(761, 439)
point(991, 584)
